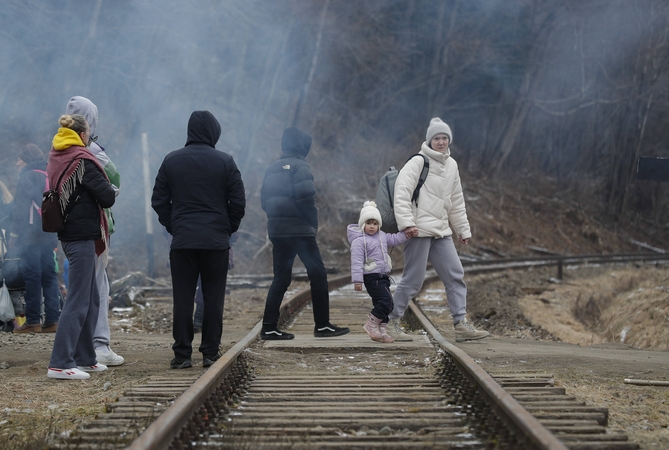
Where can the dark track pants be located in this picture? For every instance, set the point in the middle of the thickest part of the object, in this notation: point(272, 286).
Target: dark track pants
point(284, 252)
point(186, 266)
point(378, 287)
point(73, 344)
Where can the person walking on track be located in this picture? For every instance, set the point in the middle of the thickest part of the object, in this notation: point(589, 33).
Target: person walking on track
point(288, 198)
point(440, 205)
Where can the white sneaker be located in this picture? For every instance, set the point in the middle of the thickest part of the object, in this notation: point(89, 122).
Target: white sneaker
point(67, 374)
point(108, 358)
point(96, 368)
point(394, 329)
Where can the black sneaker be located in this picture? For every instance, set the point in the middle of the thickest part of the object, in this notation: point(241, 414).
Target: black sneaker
point(180, 363)
point(208, 361)
point(330, 330)
point(272, 333)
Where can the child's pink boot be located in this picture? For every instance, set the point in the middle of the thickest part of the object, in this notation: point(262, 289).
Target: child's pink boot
point(372, 328)
point(388, 339)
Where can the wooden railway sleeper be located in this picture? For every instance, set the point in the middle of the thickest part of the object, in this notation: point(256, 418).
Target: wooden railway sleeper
point(492, 421)
point(480, 413)
point(219, 402)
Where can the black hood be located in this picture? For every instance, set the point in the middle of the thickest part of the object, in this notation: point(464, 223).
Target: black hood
point(295, 141)
point(203, 128)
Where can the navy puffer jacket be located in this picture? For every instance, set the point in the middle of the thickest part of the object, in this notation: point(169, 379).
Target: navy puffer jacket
point(288, 190)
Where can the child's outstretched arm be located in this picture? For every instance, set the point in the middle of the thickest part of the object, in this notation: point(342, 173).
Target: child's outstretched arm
point(395, 239)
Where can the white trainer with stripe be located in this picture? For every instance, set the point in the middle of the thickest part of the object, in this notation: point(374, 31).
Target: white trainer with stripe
point(67, 374)
point(96, 368)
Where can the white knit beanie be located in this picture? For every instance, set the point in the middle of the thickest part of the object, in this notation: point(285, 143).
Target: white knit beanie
point(438, 126)
point(367, 212)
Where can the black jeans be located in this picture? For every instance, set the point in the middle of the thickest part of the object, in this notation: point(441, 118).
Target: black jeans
point(378, 287)
point(284, 252)
point(186, 265)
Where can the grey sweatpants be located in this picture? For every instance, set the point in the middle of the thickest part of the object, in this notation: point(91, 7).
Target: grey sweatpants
point(102, 334)
point(73, 344)
point(444, 258)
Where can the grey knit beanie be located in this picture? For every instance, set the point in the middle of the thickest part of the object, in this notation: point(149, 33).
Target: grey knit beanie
point(438, 126)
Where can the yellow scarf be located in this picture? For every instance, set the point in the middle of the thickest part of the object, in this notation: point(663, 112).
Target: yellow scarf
point(66, 138)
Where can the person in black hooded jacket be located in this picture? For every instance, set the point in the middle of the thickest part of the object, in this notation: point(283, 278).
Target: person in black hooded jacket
point(288, 198)
point(199, 198)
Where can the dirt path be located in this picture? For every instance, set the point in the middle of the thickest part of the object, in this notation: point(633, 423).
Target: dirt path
point(33, 406)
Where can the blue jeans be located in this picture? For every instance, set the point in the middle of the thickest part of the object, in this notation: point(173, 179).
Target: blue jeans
point(283, 254)
point(39, 273)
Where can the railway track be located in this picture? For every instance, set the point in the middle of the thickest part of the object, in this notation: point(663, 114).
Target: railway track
point(353, 393)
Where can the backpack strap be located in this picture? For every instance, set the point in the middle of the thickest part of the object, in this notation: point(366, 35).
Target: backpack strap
point(34, 205)
point(421, 178)
point(388, 190)
point(46, 187)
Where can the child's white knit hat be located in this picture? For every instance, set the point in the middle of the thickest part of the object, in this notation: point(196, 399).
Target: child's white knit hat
point(367, 212)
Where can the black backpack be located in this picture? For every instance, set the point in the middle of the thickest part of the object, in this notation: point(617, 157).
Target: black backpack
point(385, 194)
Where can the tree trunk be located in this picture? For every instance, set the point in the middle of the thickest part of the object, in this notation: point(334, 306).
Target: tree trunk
point(632, 169)
point(312, 69)
point(260, 117)
point(527, 92)
point(436, 65)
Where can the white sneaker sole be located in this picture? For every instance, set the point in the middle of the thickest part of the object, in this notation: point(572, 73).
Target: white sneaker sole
point(67, 374)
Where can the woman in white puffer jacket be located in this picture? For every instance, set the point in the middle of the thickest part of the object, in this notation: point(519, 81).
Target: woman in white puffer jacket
point(438, 212)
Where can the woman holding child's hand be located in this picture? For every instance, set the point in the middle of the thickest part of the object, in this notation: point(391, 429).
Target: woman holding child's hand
point(431, 220)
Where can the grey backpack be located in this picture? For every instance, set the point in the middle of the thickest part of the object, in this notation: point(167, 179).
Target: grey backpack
point(386, 193)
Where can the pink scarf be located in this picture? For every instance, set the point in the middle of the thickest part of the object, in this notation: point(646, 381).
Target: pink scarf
point(68, 166)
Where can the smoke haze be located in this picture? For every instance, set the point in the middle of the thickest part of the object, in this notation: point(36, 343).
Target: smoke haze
point(573, 91)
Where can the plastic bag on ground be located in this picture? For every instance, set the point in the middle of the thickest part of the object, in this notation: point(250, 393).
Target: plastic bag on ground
point(6, 305)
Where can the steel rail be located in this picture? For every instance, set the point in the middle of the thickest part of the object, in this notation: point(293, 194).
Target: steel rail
point(161, 433)
point(567, 259)
point(513, 414)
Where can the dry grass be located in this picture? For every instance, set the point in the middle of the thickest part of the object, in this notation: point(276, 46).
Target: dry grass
point(625, 305)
